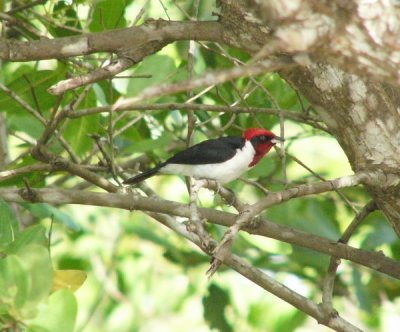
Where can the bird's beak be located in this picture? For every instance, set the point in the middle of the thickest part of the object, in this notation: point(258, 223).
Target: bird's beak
point(277, 139)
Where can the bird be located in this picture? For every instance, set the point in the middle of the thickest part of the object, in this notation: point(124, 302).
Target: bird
point(222, 159)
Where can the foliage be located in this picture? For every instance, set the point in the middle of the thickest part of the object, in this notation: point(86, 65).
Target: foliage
point(32, 296)
point(142, 276)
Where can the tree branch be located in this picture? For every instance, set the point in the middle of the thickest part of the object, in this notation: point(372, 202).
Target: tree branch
point(58, 163)
point(329, 281)
point(365, 43)
point(207, 79)
point(245, 217)
point(115, 41)
point(263, 280)
point(131, 45)
point(374, 260)
point(300, 117)
point(4, 156)
point(300, 302)
point(308, 189)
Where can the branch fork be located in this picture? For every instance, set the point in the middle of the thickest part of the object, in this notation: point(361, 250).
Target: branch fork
point(225, 245)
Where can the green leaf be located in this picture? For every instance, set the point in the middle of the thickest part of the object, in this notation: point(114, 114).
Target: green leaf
point(283, 93)
point(185, 257)
point(160, 67)
point(25, 281)
point(361, 294)
point(77, 132)
point(108, 15)
point(67, 16)
point(14, 285)
point(100, 94)
point(265, 317)
point(214, 308)
point(37, 262)
point(263, 168)
point(150, 144)
point(317, 216)
point(381, 232)
point(35, 179)
point(31, 86)
point(9, 225)
point(69, 279)
point(58, 314)
point(39, 82)
point(30, 235)
point(44, 210)
point(307, 257)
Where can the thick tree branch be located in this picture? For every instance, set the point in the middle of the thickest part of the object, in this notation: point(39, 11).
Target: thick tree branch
point(115, 41)
point(263, 280)
point(364, 43)
point(99, 74)
point(373, 260)
point(39, 167)
point(246, 216)
point(359, 111)
point(131, 45)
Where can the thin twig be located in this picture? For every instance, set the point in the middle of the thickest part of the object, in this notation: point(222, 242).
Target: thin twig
point(246, 216)
point(39, 117)
point(40, 152)
point(26, 6)
point(308, 119)
point(329, 281)
point(207, 79)
point(339, 192)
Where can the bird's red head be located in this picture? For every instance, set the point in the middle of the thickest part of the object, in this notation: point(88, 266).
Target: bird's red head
point(262, 140)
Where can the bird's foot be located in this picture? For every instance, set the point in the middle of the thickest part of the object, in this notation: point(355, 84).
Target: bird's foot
point(219, 189)
point(225, 193)
point(229, 196)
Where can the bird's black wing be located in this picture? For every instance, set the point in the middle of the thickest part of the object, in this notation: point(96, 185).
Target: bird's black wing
point(208, 152)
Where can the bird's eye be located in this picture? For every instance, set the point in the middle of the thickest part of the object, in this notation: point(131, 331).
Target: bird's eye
point(263, 138)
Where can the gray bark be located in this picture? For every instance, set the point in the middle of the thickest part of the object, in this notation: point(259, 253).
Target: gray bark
point(362, 112)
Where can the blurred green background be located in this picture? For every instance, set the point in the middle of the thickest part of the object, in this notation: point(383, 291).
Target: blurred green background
point(140, 275)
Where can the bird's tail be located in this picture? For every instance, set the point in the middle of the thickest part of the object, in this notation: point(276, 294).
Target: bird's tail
point(143, 176)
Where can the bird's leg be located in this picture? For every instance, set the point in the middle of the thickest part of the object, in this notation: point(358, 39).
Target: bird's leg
point(225, 193)
point(219, 187)
point(219, 253)
point(229, 197)
point(196, 224)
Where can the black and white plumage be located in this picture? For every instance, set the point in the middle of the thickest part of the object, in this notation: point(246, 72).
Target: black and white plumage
point(223, 159)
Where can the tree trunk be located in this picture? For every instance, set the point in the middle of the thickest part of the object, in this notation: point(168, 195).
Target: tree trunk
point(362, 114)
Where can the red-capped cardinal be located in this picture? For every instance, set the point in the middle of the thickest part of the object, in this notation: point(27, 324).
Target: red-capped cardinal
point(223, 159)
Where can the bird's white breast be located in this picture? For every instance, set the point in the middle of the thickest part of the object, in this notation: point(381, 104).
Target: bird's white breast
point(222, 172)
